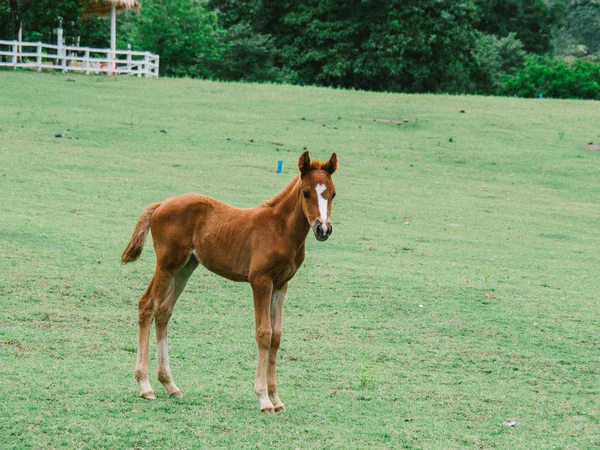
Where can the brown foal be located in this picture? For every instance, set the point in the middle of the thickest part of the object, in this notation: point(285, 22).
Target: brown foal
point(264, 246)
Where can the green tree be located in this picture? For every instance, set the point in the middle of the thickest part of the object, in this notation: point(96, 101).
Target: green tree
point(16, 12)
point(497, 58)
point(42, 19)
point(249, 56)
point(5, 24)
point(184, 33)
point(583, 23)
point(410, 45)
point(532, 21)
point(579, 35)
point(38, 18)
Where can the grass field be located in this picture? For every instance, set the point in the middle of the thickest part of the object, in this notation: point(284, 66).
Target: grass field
point(459, 290)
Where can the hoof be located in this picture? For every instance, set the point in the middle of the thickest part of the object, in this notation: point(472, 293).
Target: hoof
point(177, 394)
point(280, 409)
point(148, 395)
point(268, 410)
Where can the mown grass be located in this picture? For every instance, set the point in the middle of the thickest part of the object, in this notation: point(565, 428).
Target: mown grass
point(488, 218)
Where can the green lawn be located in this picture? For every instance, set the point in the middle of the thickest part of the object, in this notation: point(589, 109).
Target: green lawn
point(485, 211)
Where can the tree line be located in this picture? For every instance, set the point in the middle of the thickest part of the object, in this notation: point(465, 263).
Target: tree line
point(509, 47)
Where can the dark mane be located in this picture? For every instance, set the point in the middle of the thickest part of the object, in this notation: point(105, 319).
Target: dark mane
point(283, 194)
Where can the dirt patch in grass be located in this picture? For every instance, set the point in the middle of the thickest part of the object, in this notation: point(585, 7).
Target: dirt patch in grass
point(593, 147)
point(384, 120)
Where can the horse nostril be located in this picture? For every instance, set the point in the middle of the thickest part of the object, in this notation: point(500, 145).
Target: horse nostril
point(329, 229)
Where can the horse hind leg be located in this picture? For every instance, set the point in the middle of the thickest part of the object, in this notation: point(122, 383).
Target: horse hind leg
point(163, 314)
point(148, 306)
point(146, 310)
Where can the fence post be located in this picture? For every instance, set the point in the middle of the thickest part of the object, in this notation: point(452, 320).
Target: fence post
point(113, 39)
point(86, 61)
point(59, 43)
point(128, 59)
point(157, 65)
point(14, 55)
point(39, 57)
point(19, 48)
point(147, 64)
point(139, 67)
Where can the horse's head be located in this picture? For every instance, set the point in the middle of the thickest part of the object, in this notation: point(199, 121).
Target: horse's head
point(317, 192)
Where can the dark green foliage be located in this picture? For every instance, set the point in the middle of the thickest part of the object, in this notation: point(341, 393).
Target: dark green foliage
point(555, 79)
point(410, 46)
point(496, 58)
point(566, 45)
point(583, 23)
point(5, 25)
point(95, 31)
point(580, 35)
point(40, 23)
point(38, 18)
point(16, 10)
point(249, 56)
point(183, 32)
point(451, 46)
point(232, 12)
point(531, 20)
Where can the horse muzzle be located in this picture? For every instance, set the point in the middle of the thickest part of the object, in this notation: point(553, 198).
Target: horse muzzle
point(322, 231)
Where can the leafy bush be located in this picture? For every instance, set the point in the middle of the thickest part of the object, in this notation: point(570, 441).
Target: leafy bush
point(555, 78)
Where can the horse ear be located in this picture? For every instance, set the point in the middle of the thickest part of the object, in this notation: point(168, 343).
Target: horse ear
point(331, 165)
point(304, 163)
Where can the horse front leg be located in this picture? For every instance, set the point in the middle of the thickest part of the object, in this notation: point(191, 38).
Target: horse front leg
point(261, 290)
point(277, 298)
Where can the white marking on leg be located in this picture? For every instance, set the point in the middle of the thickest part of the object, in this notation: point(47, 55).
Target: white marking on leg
point(320, 188)
point(141, 374)
point(276, 301)
point(143, 380)
point(163, 368)
point(162, 355)
point(145, 386)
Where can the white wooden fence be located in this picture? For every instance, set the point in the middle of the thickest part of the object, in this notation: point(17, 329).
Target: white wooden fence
point(38, 56)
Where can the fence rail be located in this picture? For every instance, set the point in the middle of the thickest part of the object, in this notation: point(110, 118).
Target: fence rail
point(38, 56)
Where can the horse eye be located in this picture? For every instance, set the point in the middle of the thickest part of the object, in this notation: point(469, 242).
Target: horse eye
point(306, 193)
point(333, 196)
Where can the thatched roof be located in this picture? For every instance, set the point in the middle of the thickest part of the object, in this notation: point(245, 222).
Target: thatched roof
point(95, 8)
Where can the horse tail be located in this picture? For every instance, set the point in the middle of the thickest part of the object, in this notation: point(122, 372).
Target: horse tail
point(136, 244)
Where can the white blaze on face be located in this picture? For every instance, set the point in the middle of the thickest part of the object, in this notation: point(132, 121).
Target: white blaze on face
point(320, 188)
